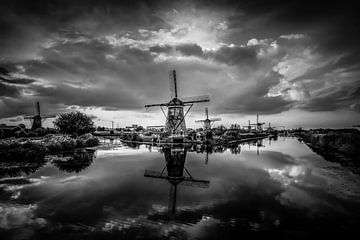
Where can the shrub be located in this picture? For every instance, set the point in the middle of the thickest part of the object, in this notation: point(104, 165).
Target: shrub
point(74, 123)
point(12, 150)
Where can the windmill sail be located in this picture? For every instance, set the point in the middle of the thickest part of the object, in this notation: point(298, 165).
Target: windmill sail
point(195, 99)
point(215, 119)
point(37, 107)
point(173, 84)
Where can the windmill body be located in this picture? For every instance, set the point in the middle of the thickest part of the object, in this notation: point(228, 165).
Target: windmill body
point(175, 118)
point(207, 121)
point(37, 119)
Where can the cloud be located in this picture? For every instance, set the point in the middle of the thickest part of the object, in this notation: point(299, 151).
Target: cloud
point(189, 49)
point(15, 216)
point(235, 55)
point(8, 91)
point(250, 56)
point(293, 36)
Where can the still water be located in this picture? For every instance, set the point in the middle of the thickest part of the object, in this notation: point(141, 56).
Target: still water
point(277, 188)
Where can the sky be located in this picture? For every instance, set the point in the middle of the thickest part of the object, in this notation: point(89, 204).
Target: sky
point(294, 63)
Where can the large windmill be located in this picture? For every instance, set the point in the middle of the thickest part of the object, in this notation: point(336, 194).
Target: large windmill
point(175, 118)
point(37, 119)
point(258, 124)
point(207, 121)
point(175, 165)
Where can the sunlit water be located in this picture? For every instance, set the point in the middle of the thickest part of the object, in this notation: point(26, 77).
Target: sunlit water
point(278, 188)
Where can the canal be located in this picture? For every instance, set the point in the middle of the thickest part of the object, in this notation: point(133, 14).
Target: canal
point(265, 188)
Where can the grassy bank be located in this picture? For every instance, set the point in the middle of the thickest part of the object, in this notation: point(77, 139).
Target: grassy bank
point(337, 146)
point(22, 149)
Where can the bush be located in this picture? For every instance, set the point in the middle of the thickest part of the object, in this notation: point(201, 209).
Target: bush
point(74, 123)
point(12, 150)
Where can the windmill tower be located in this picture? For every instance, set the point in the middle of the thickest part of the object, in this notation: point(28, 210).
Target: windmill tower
point(258, 124)
point(175, 165)
point(175, 118)
point(37, 119)
point(207, 122)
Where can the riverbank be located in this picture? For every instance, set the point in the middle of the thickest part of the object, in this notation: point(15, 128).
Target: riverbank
point(341, 146)
point(33, 150)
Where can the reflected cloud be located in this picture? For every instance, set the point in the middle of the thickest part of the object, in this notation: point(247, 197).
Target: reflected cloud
point(121, 151)
point(16, 216)
point(290, 174)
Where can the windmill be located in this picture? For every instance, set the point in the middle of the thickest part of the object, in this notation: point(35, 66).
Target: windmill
point(207, 122)
point(258, 124)
point(175, 165)
point(175, 118)
point(37, 119)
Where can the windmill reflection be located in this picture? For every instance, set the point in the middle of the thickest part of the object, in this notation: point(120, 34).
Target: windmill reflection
point(258, 144)
point(174, 173)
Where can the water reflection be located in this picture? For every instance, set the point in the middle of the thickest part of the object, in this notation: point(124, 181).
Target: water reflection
point(286, 191)
point(173, 172)
point(17, 169)
point(75, 161)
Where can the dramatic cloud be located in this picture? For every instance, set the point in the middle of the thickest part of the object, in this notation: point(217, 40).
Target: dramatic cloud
point(250, 56)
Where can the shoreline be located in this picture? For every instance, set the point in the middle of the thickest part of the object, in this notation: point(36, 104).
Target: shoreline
point(342, 148)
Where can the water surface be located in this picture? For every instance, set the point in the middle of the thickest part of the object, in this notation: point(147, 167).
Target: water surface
point(278, 188)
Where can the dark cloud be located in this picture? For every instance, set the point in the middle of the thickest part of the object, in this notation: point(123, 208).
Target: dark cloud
point(6, 77)
point(235, 55)
point(18, 80)
point(333, 100)
point(4, 71)
point(258, 105)
point(255, 100)
point(115, 54)
point(161, 48)
point(190, 50)
point(8, 91)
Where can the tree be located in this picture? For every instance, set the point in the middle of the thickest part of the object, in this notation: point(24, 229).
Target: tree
point(75, 123)
point(139, 128)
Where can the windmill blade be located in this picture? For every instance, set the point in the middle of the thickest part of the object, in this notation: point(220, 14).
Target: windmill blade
point(206, 113)
point(190, 182)
point(173, 84)
point(156, 105)
point(154, 174)
point(49, 116)
point(195, 99)
point(215, 119)
point(37, 107)
point(199, 121)
point(151, 108)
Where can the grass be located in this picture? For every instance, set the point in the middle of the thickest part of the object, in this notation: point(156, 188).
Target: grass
point(20, 150)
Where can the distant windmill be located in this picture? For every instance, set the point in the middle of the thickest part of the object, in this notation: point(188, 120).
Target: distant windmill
point(207, 122)
point(175, 165)
point(37, 119)
point(175, 119)
point(258, 124)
